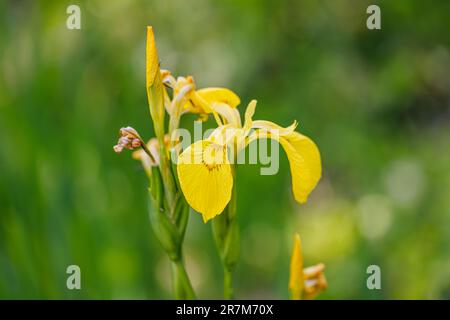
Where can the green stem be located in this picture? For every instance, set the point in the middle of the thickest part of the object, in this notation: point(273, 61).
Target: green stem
point(232, 224)
point(226, 236)
point(167, 178)
point(227, 284)
point(181, 285)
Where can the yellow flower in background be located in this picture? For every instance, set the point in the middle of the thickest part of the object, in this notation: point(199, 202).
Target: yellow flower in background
point(304, 283)
point(315, 281)
point(296, 279)
point(204, 170)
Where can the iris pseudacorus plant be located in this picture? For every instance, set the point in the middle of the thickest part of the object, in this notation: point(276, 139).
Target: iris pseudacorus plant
point(202, 176)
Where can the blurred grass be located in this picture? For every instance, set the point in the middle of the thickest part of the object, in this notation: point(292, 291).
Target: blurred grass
point(376, 102)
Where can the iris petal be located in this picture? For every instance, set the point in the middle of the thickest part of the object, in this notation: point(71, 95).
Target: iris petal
point(205, 178)
point(249, 112)
point(231, 115)
point(304, 160)
point(305, 164)
point(269, 126)
point(203, 97)
point(222, 95)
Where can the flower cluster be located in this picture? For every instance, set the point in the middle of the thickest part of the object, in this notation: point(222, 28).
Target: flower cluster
point(202, 177)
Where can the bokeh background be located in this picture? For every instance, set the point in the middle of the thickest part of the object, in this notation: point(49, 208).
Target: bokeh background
point(376, 102)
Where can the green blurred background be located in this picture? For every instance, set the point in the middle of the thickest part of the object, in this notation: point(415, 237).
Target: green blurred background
point(376, 102)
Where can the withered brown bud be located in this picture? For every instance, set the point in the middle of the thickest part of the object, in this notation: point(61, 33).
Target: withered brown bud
point(118, 148)
point(129, 132)
point(136, 143)
point(129, 139)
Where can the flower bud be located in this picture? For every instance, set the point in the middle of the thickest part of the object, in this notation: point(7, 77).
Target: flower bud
point(305, 283)
point(155, 88)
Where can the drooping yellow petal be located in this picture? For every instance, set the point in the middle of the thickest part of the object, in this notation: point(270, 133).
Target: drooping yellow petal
point(304, 160)
point(305, 164)
point(296, 279)
point(205, 178)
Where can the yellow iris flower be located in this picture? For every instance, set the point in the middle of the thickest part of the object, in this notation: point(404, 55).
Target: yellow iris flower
point(186, 98)
point(205, 172)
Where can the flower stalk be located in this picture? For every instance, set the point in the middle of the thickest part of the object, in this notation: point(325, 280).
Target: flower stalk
point(226, 236)
point(169, 213)
point(155, 95)
point(170, 233)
